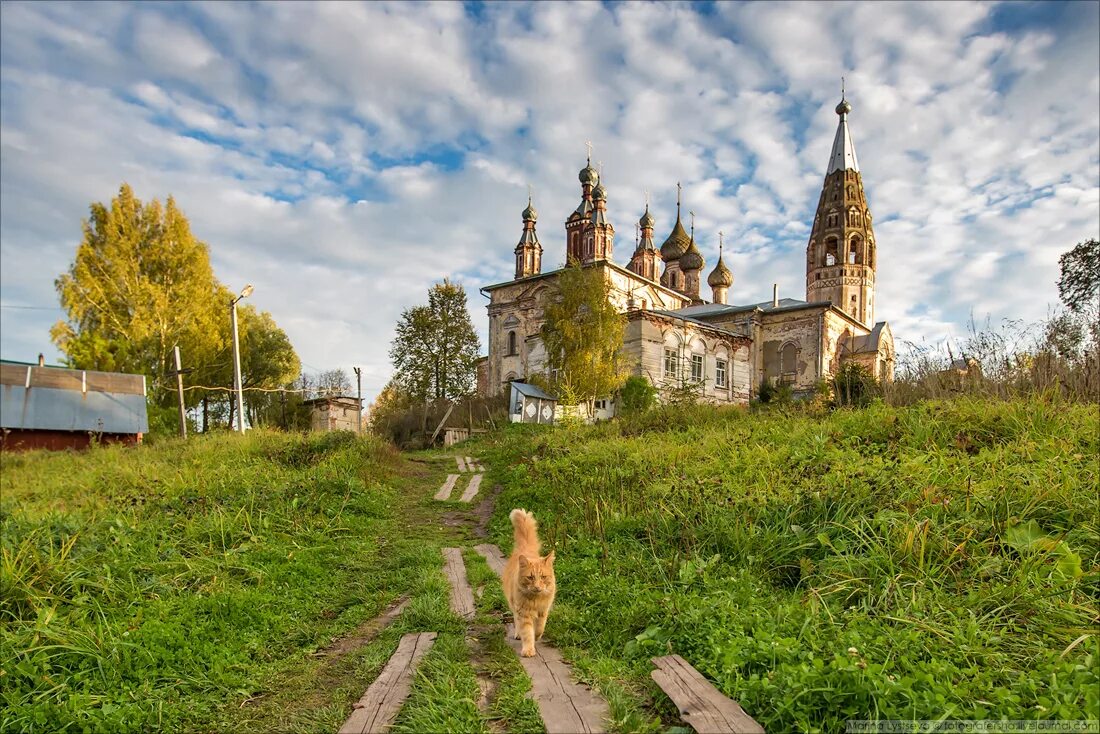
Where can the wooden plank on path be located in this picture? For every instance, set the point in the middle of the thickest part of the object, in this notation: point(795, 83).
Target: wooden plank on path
point(701, 705)
point(492, 556)
point(566, 707)
point(471, 490)
point(462, 599)
point(444, 492)
point(461, 464)
point(469, 464)
point(377, 709)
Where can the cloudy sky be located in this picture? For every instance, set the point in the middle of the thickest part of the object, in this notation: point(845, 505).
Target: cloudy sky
point(344, 157)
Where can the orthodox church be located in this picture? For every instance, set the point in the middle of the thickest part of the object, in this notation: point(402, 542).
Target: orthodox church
point(674, 336)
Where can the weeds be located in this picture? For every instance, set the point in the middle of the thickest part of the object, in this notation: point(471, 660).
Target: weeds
point(936, 560)
point(144, 589)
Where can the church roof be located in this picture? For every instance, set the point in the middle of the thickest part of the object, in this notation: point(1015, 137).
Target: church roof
point(865, 343)
point(677, 242)
point(843, 156)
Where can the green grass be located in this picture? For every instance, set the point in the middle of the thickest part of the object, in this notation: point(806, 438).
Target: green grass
point(940, 560)
point(157, 588)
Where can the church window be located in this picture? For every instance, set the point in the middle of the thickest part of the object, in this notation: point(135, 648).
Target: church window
point(672, 363)
point(720, 374)
point(511, 343)
point(788, 362)
point(855, 254)
point(831, 251)
point(697, 367)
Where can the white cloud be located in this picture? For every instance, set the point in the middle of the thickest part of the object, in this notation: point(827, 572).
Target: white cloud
point(343, 157)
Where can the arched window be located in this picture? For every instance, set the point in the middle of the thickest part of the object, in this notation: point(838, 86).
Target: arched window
point(831, 253)
point(511, 343)
point(855, 251)
point(788, 362)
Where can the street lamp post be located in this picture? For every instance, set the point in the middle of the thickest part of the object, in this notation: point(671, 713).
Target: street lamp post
point(237, 388)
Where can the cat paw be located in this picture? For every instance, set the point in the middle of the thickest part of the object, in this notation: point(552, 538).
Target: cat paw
point(527, 652)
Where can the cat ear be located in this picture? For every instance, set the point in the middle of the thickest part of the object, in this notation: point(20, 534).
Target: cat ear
point(550, 558)
point(524, 562)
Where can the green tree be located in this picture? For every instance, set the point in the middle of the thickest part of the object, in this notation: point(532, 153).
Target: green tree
point(1079, 283)
point(140, 284)
point(435, 348)
point(583, 335)
point(457, 346)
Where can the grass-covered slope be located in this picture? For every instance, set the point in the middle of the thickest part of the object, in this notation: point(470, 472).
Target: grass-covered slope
point(146, 588)
point(940, 560)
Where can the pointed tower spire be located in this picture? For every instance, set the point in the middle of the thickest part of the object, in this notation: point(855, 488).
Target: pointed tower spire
point(529, 250)
point(840, 256)
point(843, 156)
point(576, 226)
point(691, 263)
point(646, 258)
point(674, 247)
point(720, 279)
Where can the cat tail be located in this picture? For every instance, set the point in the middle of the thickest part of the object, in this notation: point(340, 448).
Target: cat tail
point(526, 529)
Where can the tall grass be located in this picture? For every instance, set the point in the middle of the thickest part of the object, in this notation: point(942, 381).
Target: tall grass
point(936, 560)
point(144, 588)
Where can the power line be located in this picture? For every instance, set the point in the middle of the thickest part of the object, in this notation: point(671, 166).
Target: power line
point(33, 308)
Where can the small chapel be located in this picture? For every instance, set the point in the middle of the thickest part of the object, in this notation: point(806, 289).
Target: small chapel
point(675, 336)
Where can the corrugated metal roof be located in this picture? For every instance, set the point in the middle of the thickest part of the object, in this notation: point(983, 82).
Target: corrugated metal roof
point(531, 391)
point(59, 409)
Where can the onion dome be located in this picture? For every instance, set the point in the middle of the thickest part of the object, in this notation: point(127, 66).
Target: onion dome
point(720, 277)
point(844, 107)
point(676, 244)
point(692, 259)
point(599, 193)
point(647, 221)
point(530, 213)
point(589, 176)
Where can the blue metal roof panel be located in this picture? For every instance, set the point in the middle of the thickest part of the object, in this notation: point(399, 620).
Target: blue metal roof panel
point(531, 391)
point(52, 409)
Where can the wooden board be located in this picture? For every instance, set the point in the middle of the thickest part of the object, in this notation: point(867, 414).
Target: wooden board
point(444, 492)
point(701, 705)
point(566, 707)
point(462, 599)
point(471, 489)
point(461, 464)
point(492, 556)
point(377, 709)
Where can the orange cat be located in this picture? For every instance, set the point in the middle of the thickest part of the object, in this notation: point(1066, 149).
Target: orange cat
point(528, 580)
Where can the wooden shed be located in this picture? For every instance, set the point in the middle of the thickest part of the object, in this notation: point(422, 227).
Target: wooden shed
point(529, 404)
point(59, 408)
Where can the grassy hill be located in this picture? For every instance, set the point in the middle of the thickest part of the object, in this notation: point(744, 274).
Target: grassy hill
point(143, 589)
point(940, 560)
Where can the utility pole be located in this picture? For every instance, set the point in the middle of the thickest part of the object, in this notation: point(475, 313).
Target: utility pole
point(359, 398)
point(179, 388)
point(237, 387)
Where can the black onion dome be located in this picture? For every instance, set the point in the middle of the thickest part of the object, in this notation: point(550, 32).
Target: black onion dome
point(589, 175)
point(676, 244)
point(692, 259)
point(530, 213)
point(720, 277)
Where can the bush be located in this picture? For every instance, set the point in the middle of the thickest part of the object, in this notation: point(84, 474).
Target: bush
point(854, 386)
point(637, 395)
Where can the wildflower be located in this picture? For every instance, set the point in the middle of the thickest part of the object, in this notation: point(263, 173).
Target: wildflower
point(852, 651)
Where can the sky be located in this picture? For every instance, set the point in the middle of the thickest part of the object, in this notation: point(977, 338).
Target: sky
point(344, 157)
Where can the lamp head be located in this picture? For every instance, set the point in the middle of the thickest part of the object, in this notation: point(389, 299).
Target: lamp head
point(247, 291)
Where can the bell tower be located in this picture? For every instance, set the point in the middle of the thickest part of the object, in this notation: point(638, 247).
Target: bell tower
point(841, 254)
